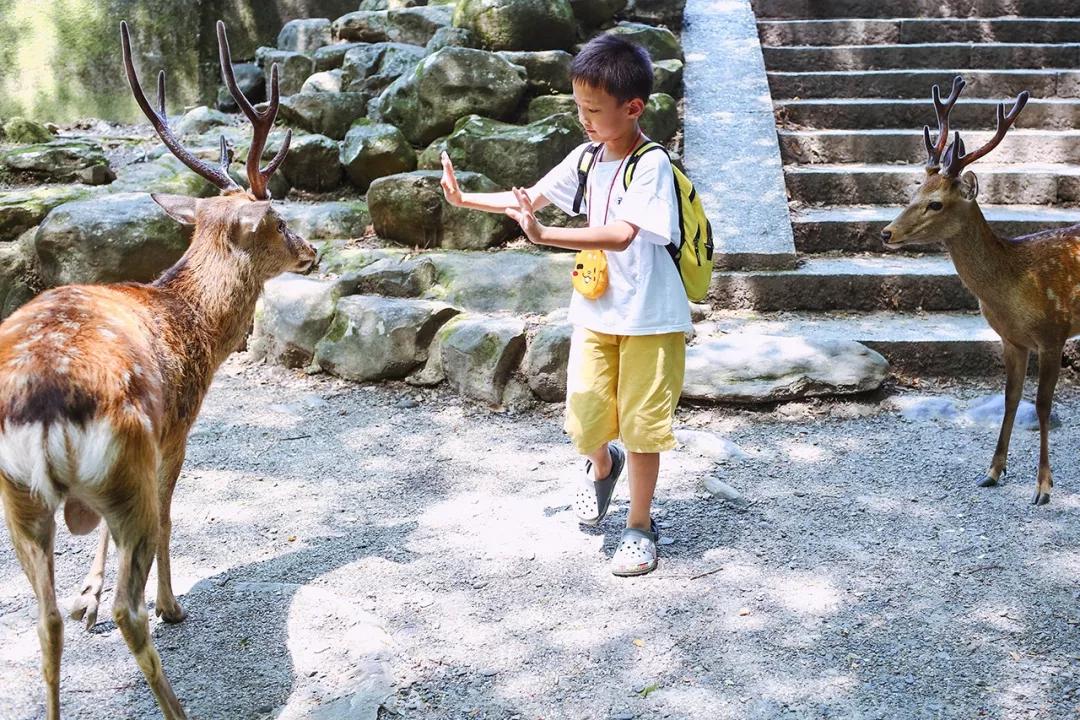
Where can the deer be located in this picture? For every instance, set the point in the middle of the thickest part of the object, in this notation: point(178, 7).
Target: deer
point(101, 384)
point(1028, 287)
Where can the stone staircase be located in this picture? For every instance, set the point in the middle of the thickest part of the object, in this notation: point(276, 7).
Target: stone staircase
point(850, 82)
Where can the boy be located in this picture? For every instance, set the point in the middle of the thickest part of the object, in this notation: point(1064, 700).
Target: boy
point(627, 352)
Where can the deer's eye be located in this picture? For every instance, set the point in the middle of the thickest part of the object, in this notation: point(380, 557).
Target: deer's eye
point(935, 205)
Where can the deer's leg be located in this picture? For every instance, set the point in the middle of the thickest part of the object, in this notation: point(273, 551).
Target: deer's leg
point(166, 606)
point(32, 527)
point(1016, 362)
point(133, 517)
point(85, 606)
point(1049, 369)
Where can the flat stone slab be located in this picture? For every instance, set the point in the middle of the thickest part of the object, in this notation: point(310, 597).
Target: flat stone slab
point(923, 343)
point(745, 368)
point(512, 281)
point(326, 220)
point(731, 150)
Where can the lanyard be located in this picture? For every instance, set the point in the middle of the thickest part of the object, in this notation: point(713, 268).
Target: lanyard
point(611, 187)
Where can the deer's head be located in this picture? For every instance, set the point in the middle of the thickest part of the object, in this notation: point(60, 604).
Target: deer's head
point(237, 221)
point(945, 202)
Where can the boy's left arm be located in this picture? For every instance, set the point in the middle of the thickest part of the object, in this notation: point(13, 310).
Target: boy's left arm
point(615, 236)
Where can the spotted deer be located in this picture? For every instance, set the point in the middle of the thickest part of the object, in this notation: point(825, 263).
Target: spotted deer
point(100, 385)
point(1028, 287)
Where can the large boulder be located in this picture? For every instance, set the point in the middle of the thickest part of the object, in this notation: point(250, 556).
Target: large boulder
point(523, 282)
point(326, 220)
point(477, 354)
point(374, 150)
point(547, 105)
point(329, 114)
point(64, 160)
point(389, 4)
point(660, 120)
point(546, 358)
point(165, 174)
point(293, 68)
point(447, 85)
point(20, 131)
point(108, 239)
point(409, 208)
point(401, 277)
point(312, 163)
point(17, 277)
point(595, 13)
point(200, 120)
point(23, 208)
point(450, 37)
point(325, 81)
point(304, 35)
point(513, 155)
point(293, 313)
point(518, 24)
point(660, 42)
point(367, 26)
point(251, 81)
point(656, 12)
point(668, 77)
point(330, 57)
point(417, 25)
point(548, 70)
point(742, 368)
point(370, 68)
point(377, 338)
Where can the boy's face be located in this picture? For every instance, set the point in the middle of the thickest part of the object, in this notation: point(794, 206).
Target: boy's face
point(603, 117)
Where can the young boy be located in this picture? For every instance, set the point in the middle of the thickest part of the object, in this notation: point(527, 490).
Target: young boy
point(627, 351)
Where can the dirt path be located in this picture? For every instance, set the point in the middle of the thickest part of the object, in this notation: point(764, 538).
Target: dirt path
point(332, 544)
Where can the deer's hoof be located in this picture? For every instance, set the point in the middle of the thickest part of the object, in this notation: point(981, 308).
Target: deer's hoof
point(85, 608)
point(173, 613)
point(1041, 498)
point(989, 481)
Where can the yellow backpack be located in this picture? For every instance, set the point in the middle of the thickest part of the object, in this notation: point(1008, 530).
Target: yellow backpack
point(693, 255)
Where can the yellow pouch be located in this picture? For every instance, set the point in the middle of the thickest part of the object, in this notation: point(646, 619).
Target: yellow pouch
point(590, 273)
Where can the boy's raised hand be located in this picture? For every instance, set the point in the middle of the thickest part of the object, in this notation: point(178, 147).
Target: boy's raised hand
point(450, 187)
point(524, 216)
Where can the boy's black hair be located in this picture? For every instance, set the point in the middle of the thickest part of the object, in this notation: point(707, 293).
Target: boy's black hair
point(617, 66)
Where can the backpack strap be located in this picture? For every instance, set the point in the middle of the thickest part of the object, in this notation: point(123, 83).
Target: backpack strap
point(585, 164)
point(628, 173)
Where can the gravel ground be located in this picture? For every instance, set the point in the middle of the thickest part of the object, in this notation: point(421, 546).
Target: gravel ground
point(333, 542)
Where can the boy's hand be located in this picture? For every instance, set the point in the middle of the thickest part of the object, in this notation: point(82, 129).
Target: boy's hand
point(524, 216)
point(450, 187)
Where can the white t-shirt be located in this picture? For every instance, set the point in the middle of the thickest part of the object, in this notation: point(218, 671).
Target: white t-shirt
point(645, 294)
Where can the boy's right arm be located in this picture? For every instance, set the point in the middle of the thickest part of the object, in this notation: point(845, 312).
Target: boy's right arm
point(496, 202)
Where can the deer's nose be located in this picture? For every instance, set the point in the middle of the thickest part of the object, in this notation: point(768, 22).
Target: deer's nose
point(886, 236)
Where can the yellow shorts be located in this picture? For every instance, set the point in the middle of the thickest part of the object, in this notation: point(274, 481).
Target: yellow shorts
point(624, 386)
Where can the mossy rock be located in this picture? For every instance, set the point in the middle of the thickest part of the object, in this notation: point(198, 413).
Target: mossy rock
point(660, 42)
point(660, 121)
point(518, 24)
point(20, 131)
point(374, 150)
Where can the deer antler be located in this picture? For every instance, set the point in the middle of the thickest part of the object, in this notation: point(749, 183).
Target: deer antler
point(934, 150)
point(218, 176)
point(263, 122)
point(955, 160)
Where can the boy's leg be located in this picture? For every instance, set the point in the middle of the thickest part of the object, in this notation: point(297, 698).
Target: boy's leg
point(644, 469)
point(650, 384)
point(601, 461)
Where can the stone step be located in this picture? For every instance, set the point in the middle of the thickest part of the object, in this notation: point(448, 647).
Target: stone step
point(916, 83)
point(891, 145)
point(803, 58)
point(806, 9)
point(847, 31)
point(938, 343)
point(876, 184)
point(870, 282)
point(973, 114)
point(855, 228)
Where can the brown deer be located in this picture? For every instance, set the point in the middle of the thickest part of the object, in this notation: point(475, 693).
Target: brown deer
point(1028, 287)
point(99, 386)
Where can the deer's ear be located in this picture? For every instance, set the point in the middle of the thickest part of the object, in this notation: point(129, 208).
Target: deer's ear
point(252, 214)
point(179, 207)
point(969, 186)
